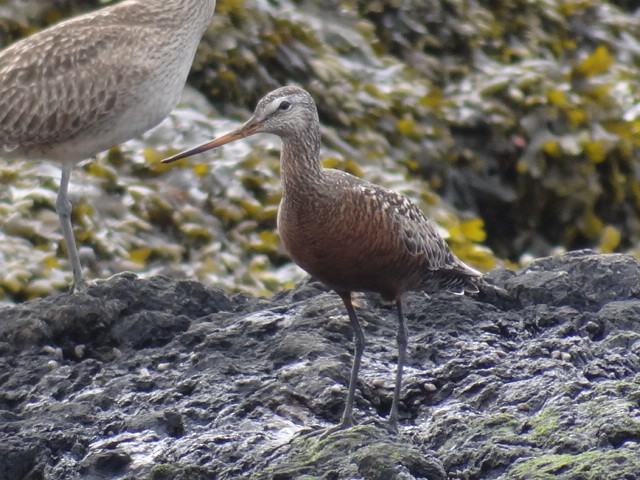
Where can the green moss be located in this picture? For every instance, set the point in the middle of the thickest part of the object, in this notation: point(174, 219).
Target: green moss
point(545, 424)
point(164, 471)
point(358, 452)
point(593, 465)
point(501, 425)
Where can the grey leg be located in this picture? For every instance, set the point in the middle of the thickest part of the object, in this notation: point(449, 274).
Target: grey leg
point(63, 207)
point(402, 350)
point(358, 340)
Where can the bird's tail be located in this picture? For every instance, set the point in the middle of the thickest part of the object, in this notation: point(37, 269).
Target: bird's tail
point(461, 282)
point(465, 279)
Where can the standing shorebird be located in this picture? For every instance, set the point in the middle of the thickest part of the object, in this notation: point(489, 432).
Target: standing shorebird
point(78, 88)
point(349, 234)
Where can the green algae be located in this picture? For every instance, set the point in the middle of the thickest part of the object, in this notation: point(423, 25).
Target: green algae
point(364, 452)
point(592, 465)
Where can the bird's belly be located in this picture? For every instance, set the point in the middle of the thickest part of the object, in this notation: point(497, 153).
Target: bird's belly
point(146, 104)
point(344, 263)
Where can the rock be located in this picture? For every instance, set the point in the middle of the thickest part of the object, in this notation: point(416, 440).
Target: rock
point(102, 464)
point(178, 381)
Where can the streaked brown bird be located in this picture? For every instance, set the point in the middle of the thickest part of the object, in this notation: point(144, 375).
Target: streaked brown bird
point(350, 234)
point(78, 88)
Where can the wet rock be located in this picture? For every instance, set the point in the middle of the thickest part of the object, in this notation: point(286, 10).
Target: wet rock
point(122, 310)
point(104, 463)
point(178, 381)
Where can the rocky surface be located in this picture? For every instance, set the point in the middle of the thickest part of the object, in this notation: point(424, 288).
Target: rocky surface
point(169, 379)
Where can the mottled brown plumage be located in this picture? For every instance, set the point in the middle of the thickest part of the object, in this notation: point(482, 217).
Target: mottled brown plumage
point(348, 233)
point(84, 85)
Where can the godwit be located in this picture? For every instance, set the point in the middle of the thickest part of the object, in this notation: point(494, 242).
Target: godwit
point(350, 234)
point(86, 84)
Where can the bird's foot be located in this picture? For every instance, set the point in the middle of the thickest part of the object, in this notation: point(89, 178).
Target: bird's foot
point(390, 425)
point(126, 275)
point(79, 285)
point(324, 433)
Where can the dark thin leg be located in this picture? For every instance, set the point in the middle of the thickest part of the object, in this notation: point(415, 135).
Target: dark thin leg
point(358, 341)
point(63, 207)
point(402, 350)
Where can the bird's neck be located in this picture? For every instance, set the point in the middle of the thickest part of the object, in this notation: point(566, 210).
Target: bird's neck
point(197, 14)
point(300, 167)
point(198, 10)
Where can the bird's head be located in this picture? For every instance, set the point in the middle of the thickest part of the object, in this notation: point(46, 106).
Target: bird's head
point(286, 112)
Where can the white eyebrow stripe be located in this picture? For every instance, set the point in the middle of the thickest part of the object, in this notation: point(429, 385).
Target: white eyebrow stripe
point(273, 106)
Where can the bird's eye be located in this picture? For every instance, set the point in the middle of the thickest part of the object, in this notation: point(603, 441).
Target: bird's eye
point(284, 105)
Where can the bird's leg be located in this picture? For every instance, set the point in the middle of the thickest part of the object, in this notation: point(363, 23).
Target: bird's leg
point(358, 341)
point(402, 350)
point(63, 207)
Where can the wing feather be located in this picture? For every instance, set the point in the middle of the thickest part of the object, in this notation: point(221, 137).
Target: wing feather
point(61, 81)
point(418, 234)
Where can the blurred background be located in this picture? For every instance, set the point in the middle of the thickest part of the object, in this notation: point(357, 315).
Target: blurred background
point(515, 126)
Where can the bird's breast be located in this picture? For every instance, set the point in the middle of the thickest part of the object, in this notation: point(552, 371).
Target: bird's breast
point(343, 243)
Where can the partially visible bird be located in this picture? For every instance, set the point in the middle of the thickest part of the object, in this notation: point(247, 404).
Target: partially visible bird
point(86, 84)
point(349, 234)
